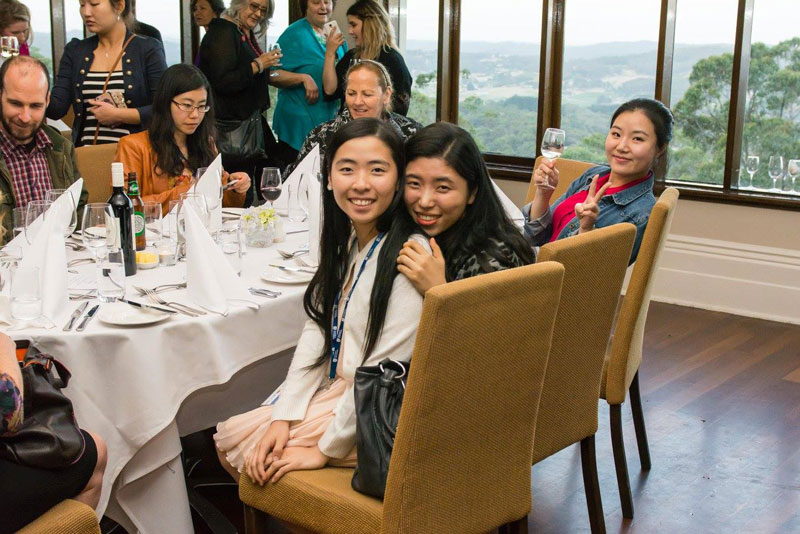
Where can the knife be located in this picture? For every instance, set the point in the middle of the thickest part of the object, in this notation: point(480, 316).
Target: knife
point(146, 306)
point(74, 317)
point(85, 321)
point(293, 269)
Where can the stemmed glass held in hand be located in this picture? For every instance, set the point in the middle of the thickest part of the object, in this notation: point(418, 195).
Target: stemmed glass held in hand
point(271, 184)
point(99, 229)
point(751, 166)
point(277, 49)
point(552, 148)
point(68, 203)
point(776, 170)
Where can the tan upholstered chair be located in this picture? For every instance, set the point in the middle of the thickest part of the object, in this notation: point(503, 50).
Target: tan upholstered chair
point(94, 163)
point(621, 367)
point(568, 170)
point(461, 459)
point(594, 268)
point(67, 517)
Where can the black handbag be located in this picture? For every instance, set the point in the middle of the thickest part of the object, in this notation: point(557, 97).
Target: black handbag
point(49, 436)
point(379, 394)
point(241, 138)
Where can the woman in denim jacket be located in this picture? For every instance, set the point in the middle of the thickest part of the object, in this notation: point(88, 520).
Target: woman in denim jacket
point(604, 195)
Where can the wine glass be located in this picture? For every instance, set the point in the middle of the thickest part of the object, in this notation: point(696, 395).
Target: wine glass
point(751, 166)
point(35, 213)
point(9, 46)
point(793, 172)
point(99, 229)
point(274, 46)
point(53, 195)
point(776, 170)
point(553, 143)
point(196, 201)
point(271, 184)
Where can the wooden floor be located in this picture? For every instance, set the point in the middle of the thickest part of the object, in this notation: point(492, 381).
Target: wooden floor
point(721, 397)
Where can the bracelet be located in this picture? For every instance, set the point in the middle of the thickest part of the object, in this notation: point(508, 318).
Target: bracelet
point(258, 66)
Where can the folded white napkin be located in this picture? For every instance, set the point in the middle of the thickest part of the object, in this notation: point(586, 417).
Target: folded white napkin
point(314, 218)
point(210, 280)
point(46, 253)
point(58, 124)
point(209, 185)
point(513, 212)
point(61, 205)
point(309, 166)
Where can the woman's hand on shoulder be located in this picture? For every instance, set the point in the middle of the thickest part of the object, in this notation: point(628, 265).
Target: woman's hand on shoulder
point(545, 177)
point(268, 450)
point(296, 459)
point(242, 180)
point(422, 268)
point(588, 210)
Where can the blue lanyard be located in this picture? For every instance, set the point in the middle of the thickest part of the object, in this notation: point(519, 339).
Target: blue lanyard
point(337, 326)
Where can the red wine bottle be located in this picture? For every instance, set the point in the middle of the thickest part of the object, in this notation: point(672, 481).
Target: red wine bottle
point(122, 207)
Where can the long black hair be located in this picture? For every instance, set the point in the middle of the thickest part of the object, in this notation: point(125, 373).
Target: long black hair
point(178, 79)
point(484, 224)
point(319, 298)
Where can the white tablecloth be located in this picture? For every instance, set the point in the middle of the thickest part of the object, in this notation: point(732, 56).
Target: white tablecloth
point(140, 388)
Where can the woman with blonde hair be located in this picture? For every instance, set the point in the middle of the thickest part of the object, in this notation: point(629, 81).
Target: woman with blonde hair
point(373, 34)
point(15, 21)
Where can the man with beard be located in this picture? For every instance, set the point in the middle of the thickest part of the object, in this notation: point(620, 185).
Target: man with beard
point(36, 157)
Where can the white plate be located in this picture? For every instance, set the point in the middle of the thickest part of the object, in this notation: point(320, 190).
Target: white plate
point(121, 314)
point(278, 276)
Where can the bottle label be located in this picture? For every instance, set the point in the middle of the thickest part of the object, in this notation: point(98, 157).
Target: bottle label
point(138, 223)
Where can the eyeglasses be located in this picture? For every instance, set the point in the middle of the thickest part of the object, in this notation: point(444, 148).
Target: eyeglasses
point(257, 8)
point(188, 108)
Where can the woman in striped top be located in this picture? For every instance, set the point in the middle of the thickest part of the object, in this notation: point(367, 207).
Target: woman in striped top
point(125, 106)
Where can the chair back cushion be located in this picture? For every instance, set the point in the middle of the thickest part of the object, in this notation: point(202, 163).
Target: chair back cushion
point(626, 346)
point(594, 269)
point(568, 169)
point(94, 164)
point(67, 517)
point(461, 459)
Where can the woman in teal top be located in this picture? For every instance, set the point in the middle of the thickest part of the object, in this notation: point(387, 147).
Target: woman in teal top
point(300, 108)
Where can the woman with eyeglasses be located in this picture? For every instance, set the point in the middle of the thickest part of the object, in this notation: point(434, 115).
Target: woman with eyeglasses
point(180, 140)
point(373, 34)
point(239, 73)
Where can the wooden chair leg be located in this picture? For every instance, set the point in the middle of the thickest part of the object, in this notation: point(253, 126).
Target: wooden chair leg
point(592, 486)
point(520, 526)
point(255, 521)
point(621, 464)
point(638, 423)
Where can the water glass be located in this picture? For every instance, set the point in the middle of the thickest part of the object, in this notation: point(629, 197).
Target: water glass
point(152, 222)
point(298, 200)
point(10, 256)
point(167, 250)
point(26, 294)
point(67, 203)
point(111, 276)
point(34, 217)
point(229, 241)
point(198, 203)
point(19, 221)
point(99, 228)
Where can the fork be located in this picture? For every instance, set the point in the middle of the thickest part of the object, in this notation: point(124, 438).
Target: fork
point(183, 308)
point(161, 289)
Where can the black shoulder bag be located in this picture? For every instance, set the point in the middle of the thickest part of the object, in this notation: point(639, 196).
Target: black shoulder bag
point(49, 436)
point(378, 398)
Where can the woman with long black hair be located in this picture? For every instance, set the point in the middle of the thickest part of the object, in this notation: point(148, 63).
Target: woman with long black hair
point(179, 141)
point(449, 194)
point(313, 423)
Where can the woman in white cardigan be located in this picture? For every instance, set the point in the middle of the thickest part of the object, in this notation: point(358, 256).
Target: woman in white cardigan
point(310, 421)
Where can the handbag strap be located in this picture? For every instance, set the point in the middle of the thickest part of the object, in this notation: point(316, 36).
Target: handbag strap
point(108, 78)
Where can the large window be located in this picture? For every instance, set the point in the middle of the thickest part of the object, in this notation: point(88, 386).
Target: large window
point(499, 74)
point(701, 89)
point(165, 16)
point(772, 118)
point(41, 47)
point(610, 51)
point(278, 23)
point(420, 40)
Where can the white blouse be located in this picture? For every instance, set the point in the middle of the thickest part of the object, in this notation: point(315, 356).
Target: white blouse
point(396, 342)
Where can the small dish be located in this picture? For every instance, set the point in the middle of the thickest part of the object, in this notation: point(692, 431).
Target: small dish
point(277, 276)
point(121, 314)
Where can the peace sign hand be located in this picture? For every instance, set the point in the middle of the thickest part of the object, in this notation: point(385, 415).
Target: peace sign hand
point(587, 211)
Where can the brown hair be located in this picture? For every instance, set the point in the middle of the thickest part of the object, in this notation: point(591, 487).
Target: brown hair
point(12, 11)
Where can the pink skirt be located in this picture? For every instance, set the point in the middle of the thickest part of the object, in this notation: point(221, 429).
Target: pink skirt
point(238, 436)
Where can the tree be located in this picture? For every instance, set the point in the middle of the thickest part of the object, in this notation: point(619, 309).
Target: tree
point(424, 79)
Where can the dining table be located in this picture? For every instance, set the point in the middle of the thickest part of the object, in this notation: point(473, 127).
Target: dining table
point(143, 383)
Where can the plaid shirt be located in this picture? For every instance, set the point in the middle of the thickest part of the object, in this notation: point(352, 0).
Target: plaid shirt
point(30, 173)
